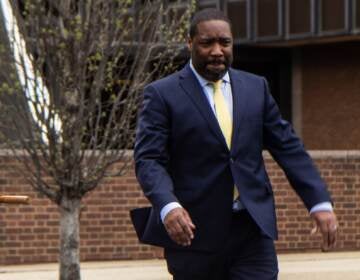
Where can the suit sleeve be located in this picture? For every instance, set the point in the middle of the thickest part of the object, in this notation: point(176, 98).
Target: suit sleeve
point(151, 150)
point(289, 152)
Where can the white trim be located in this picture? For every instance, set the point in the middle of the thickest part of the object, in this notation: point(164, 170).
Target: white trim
point(35, 86)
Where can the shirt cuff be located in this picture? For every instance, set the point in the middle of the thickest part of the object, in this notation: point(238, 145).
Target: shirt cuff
point(167, 208)
point(323, 206)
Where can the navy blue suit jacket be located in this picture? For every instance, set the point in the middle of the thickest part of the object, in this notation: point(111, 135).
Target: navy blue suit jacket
point(181, 155)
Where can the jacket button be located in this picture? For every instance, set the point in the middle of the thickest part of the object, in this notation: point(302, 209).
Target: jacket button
point(231, 160)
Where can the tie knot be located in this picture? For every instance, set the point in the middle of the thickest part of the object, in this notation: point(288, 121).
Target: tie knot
point(217, 85)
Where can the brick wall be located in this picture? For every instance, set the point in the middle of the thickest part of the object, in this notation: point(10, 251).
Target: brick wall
point(331, 96)
point(341, 171)
point(29, 234)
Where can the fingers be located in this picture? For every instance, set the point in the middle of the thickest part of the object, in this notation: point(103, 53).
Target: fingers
point(332, 235)
point(326, 223)
point(314, 230)
point(325, 236)
point(179, 226)
point(178, 234)
point(189, 226)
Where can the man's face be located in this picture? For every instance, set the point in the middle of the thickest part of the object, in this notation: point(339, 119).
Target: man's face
point(211, 49)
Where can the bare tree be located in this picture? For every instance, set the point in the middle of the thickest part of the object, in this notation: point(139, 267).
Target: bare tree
point(70, 91)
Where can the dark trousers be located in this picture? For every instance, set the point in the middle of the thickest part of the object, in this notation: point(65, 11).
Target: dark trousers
point(247, 255)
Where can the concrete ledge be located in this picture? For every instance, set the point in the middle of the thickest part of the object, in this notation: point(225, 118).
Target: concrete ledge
point(317, 154)
point(313, 153)
point(335, 154)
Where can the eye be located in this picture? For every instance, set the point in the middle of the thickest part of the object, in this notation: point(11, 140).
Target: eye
point(205, 42)
point(225, 42)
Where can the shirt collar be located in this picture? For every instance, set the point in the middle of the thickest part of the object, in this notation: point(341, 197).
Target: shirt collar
point(203, 82)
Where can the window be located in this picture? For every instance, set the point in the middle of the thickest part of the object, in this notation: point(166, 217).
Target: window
point(333, 16)
point(238, 13)
point(268, 18)
point(203, 4)
point(299, 17)
point(357, 14)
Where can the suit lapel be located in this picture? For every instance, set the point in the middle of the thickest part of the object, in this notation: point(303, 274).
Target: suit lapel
point(239, 104)
point(192, 88)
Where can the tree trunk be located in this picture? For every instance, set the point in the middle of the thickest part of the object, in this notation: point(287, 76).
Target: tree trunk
point(69, 239)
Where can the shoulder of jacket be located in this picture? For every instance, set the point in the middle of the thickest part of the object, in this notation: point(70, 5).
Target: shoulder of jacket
point(165, 81)
point(246, 75)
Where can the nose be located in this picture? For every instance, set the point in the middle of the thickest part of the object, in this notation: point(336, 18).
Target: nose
point(216, 50)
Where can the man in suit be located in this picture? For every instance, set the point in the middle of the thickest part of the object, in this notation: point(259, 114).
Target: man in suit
point(200, 137)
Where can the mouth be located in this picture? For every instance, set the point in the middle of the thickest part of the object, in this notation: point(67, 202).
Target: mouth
point(216, 64)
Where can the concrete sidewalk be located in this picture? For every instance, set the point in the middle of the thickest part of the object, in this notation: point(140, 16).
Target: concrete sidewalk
point(304, 266)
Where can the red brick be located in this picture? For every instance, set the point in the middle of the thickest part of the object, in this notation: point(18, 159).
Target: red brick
point(107, 233)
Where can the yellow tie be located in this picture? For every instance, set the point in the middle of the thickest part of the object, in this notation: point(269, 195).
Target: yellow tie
point(224, 118)
point(222, 113)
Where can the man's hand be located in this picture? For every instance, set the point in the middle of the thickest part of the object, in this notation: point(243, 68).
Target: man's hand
point(327, 223)
point(179, 226)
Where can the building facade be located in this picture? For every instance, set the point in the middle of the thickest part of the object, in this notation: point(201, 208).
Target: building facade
point(309, 50)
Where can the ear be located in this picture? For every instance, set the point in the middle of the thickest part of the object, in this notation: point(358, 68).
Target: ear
point(189, 44)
